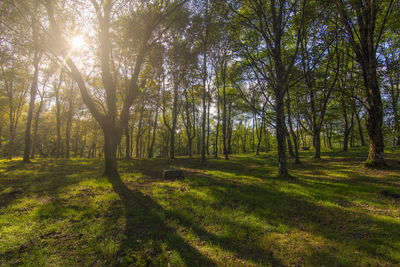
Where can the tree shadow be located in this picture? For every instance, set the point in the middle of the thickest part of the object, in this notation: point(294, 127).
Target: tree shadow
point(145, 223)
point(360, 230)
point(40, 177)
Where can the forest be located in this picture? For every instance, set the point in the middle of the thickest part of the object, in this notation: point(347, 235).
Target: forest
point(282, 116)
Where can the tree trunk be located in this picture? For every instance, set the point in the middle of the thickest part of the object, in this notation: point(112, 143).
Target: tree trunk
point(110, 154)
point(58, 117)
point(259, 131)
point(151, 149)
point(289, 143)
point(174, 122)
point(224, 117)
point(346, 128)
point(203, 123)
point(365, 48)
point(36, 126)
point(317, 142)
point(127, 142)
point(374, 121)
point(208, 121)
point(362, 140)
point(68, 128)
point(280, 132)
point(289, 121)
point(31, 107)
point(218, 121)
point(139, 132)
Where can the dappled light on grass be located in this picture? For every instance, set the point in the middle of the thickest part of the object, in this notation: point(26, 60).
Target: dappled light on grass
point(234, 213)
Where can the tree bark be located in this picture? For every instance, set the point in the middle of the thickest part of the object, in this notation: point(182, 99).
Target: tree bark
point(204, 76)
point(294, 137)
point(33, 92)
point(218, 120)
point(36, 126)
point(110, 154)
point(68, 128)
point(58, 116)
point(139, 131)
point(280, 132)
point(362, 140)
point(365, 47)
point(127, 142)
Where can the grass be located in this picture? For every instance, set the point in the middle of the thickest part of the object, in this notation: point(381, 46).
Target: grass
point(230, 213)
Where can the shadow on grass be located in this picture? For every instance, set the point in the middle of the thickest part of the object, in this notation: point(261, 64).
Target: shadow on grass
point(361, 231)
point(145, 226)
point(46, 177)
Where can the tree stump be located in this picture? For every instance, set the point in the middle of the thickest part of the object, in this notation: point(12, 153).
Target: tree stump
point(173, 174)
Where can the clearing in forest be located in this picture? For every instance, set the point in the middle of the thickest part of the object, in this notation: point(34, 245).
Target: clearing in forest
point(230, 213)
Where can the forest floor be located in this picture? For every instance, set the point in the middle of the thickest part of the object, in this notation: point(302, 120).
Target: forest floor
point(333, 212)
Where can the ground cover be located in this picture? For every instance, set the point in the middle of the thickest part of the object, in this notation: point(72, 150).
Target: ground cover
point(239, 212)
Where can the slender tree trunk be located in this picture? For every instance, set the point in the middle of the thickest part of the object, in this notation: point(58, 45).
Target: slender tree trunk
point(36, 126)
point(151, 149)
point(230, 126)
point(317, 141)
point(224, 111)
point(208, 121)
point(352, 130)
point(396, 126)
point(252, 134)
point(280, 131)
point(289, 121)
point(289, 143)
point(346, 128)
point(203, 123)
point(83, 145)
point(127, 142)
point(139, 131)
point(259, 131)
point(218, 120)
point(33, 92)
point(68, 130)
point(174, 122)
point(58, 117)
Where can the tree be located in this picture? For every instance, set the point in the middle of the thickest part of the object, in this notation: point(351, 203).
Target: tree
point(272, 24)
point(365, 22)
point(145, 23)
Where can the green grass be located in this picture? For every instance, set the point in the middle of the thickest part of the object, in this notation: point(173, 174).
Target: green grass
point(230, 213)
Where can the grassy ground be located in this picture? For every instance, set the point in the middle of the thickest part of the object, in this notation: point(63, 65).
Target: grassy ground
point(229, 213)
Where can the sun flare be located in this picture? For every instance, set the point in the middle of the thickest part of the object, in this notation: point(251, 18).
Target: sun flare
point(77, 42)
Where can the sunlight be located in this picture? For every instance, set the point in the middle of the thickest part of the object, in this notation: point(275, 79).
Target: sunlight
point(77, 42)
